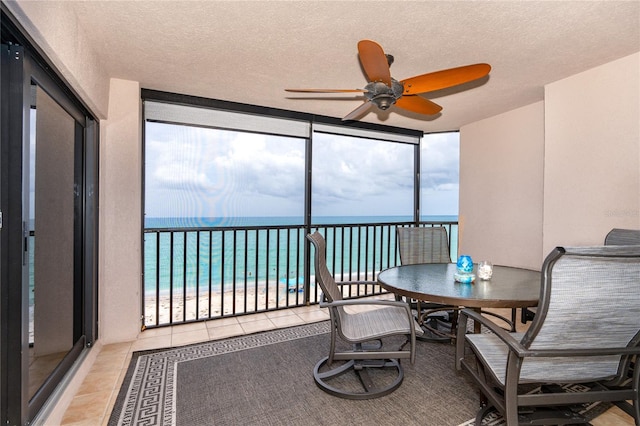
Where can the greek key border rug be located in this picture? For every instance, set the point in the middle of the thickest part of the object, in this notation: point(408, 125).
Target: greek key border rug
point(148, 396)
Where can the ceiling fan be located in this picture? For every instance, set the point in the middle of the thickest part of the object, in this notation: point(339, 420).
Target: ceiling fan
point(384, 91)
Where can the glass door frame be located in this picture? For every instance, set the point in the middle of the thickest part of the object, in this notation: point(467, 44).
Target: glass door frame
point(22, 67)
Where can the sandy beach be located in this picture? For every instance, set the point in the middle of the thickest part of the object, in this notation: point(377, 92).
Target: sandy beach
point(216, 304)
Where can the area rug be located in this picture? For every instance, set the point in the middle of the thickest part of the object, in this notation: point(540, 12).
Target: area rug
point(266, 379)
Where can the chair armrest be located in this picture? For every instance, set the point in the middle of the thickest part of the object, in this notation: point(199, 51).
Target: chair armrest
point(355, 302)
point(513, 344)
point(503, 334)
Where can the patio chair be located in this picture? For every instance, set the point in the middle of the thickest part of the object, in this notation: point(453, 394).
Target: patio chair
point(622, 237)
point(615, 237)
point(565, 344)
point(364, 330)
point(428, 245)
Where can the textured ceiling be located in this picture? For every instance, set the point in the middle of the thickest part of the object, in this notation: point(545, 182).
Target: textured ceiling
point(249, 52)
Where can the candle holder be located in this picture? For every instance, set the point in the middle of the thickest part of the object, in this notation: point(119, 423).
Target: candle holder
point(485, 270)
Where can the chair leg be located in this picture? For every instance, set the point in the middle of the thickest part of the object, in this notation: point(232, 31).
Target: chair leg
point(483, 412)
point(635, 383)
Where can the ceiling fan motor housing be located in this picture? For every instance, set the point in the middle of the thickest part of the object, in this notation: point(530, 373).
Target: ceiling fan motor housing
point(382, 95)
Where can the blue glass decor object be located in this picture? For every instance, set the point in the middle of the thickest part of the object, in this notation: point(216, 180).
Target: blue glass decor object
point(464, 273)
point(465, 264)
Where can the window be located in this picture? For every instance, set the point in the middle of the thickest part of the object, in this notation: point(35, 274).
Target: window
point(440, 176)
point(361, 180)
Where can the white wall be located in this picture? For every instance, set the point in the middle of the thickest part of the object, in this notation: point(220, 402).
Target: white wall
point(120, 266)
point(561, 172)
point(501, 170)
point(592, 154)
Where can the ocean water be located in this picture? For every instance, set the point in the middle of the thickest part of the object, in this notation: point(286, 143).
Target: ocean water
point(189, 258)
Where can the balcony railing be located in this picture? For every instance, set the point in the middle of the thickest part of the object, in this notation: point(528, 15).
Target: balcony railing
point(196, 274)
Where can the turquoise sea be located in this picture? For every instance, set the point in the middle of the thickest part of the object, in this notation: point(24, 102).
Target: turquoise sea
point(189, 257)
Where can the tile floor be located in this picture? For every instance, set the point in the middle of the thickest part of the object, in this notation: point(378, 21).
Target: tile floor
point(94, 400)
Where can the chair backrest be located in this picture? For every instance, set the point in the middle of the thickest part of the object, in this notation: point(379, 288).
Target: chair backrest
point(329, 287)
point(621, 237)
point(423, 245)
point(588, 300)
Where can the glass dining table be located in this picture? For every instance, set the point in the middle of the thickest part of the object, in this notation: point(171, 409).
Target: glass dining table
point(509, 287)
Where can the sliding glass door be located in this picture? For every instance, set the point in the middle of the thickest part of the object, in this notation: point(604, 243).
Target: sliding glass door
point(48, 278)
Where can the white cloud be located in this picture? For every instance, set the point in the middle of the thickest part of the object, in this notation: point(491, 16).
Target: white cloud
point(221, 172)
point(195, 171)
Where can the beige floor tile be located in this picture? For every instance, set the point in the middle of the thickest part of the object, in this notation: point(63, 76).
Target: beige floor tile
point(222, 322)
point(287, 321)
point(154, 332)
point(156, 342)
point(116, 348)
point(89, 422)
point(110, 405)
point(252, 318)
point(257, 326)
point(613, 417)
point(121, 375)
point(185, 328)
point(301, 309)
point(87, 407)
point(314, 316)
point(225, 331)
point(280, 313)
point(99, 380)
point(186, 338)
point(127, 359)
point(109, 361)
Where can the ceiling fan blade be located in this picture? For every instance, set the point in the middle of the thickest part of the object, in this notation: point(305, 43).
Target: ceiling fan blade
point(374, 62)
point(445, 78)
point(418, 104)
point(358, 112)
point(325, 90)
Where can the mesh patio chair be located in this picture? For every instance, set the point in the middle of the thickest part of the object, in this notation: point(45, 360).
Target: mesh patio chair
point(615, 237)
point(428, 245)
point(364, 330)
point(622, 237)
point(565, 342)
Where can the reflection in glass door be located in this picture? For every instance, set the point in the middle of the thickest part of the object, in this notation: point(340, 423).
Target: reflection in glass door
point(51, 236)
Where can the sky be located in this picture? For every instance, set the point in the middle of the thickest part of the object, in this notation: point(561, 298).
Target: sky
point(200, 172)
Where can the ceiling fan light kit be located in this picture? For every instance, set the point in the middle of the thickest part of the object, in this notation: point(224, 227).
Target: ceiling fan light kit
point(384, 91)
